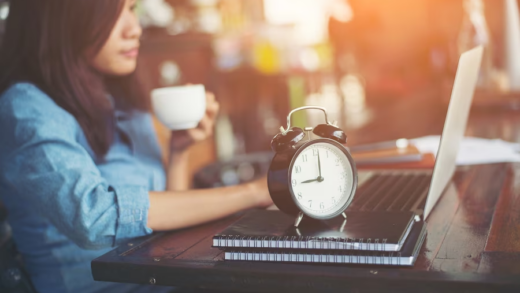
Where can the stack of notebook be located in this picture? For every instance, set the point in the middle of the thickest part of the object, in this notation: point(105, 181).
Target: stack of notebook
point(381, 238)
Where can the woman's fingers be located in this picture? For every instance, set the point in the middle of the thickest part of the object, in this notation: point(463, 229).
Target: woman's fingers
point(203, 130)
point(197, 134)
point(206, 125)
point(212, 106)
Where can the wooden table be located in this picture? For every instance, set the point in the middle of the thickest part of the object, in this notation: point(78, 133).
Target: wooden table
point(472, 245)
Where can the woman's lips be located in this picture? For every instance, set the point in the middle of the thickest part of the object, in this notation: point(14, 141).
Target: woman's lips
point(132, 53)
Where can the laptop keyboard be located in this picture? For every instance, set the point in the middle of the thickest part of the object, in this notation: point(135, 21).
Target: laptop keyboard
point(392, 192)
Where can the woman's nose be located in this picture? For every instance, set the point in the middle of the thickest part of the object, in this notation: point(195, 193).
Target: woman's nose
point(133, 29)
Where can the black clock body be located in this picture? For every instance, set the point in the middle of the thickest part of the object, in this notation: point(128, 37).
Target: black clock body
point(279, 178)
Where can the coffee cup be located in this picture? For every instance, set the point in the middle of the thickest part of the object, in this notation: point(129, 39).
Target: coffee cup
point(179, 107)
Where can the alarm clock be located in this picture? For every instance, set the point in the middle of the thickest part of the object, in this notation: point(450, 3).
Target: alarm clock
point(312, 173)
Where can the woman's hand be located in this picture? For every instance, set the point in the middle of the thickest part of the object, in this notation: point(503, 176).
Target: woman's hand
point(258, 189)
point(182, 139)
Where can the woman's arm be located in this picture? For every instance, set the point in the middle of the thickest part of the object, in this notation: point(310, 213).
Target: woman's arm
point(43, 165)
point(173, 210)
point(176, 171)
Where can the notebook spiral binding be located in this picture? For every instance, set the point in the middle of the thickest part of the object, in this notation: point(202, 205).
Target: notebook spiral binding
point(357, 257)
point(299, 242)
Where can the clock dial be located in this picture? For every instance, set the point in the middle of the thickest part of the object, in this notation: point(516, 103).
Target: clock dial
point(322, 180)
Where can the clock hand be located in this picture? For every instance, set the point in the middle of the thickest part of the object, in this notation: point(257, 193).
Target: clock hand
point(309, 181)
point(320, 179)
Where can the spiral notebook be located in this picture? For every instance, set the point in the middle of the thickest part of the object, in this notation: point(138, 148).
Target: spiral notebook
point(376, 231)
point(406, 257)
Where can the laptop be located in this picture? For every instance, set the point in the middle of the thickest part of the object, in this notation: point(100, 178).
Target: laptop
point(419, 191)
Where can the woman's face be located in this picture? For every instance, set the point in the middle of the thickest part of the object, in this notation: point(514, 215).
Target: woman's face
point(118, 56)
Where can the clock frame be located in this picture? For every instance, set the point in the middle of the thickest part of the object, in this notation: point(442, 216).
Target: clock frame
point(279, 179)
point(288, 144)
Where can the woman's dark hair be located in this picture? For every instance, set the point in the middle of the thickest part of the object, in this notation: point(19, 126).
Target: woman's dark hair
point(46, 43)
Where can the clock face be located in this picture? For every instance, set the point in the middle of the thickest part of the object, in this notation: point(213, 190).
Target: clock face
point(322, 179)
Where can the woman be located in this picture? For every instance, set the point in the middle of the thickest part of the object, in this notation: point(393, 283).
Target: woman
point(80, 169)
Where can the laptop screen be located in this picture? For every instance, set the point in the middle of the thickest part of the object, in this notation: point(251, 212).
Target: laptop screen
point(455, 124)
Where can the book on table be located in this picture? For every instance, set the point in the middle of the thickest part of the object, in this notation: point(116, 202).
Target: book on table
point(368, 231)
point(405, 257)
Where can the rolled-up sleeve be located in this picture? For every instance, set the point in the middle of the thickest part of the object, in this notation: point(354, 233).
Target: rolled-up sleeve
point(42, 162)
point(133, 212)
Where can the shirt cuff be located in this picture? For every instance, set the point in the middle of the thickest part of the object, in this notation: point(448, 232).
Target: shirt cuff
point(133, 203)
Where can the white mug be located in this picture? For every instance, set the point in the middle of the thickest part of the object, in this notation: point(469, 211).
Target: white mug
point(179, 107)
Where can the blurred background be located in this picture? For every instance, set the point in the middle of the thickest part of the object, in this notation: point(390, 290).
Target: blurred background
point(264, 57)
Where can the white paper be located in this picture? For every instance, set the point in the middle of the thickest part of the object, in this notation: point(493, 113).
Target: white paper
point(474, 151)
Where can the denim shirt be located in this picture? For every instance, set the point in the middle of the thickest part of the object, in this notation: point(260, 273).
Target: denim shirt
point(66, 208)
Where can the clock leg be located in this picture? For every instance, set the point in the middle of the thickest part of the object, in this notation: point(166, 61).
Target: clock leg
point(342, 227)
point(298, 219)
point(344, 215)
